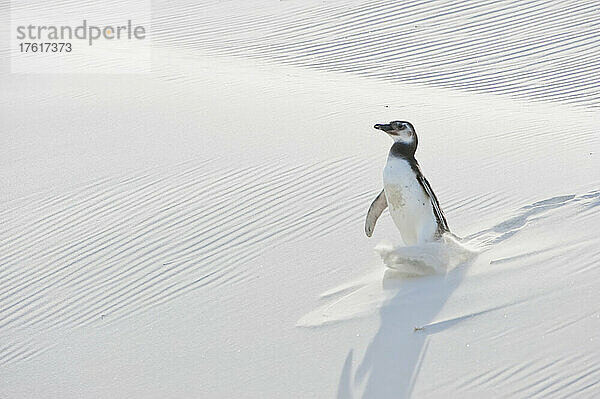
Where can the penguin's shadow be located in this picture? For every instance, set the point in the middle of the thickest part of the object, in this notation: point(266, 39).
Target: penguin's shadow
point(393, 358)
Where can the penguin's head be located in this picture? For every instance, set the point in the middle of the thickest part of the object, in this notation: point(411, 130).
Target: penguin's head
point(401, 131)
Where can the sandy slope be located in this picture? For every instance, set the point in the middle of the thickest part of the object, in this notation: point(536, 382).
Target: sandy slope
point(198, 232)
point(533, 49)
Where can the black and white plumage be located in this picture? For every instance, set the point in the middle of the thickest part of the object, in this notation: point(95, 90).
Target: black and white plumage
point(413, 205)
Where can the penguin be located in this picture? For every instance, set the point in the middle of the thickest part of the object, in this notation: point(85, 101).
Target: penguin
point(414, 208)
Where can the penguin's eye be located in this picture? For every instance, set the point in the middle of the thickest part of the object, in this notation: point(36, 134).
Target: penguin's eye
point(400, 126)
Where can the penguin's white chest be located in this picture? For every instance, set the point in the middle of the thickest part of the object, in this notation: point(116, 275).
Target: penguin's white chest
point(409, 205)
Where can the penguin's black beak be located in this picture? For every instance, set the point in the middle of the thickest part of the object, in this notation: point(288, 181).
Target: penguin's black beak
point(384, 127)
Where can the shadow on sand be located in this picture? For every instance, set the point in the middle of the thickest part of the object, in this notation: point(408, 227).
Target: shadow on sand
point(393, 358)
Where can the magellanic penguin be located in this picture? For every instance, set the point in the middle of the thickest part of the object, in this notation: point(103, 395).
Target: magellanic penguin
point(413, 205)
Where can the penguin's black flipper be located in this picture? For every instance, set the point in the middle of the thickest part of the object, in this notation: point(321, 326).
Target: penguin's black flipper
point(378, 206)
point(437, 210)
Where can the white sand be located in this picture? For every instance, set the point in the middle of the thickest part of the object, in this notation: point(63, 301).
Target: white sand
point(198, 232)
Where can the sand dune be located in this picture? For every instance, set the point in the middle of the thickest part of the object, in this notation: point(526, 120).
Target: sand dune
point(535, 49)
point(198, 231)
point(176, 232)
